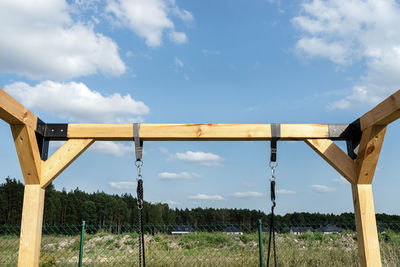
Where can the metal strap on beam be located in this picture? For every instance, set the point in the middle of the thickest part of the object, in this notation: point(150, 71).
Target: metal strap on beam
point(351, 133)
point(138, 142)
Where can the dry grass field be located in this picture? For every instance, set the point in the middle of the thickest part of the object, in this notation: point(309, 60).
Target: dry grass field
point(202, 249)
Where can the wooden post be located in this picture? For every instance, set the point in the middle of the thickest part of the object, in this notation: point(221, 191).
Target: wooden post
point(28, 153)
point(367, 233)
point(364, 211)
point(31, 226)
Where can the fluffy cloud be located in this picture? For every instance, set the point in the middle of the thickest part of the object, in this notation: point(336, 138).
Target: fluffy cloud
point(345, 32)
point(173, 203)
point(200, 158)
point(41, 40)
point(149, 18)
point(285, 192)
point(117, 149)
point(123, 185)
point(340, 180)
point(112, 148)
point(76, 102)
point(322, 188)
point(178, 37)
point(206, 197)
point(174, 176)
point(247, 194)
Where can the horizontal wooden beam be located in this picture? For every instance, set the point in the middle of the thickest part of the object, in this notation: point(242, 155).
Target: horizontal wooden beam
point(384, 113)
point(196, 132)
point(12, 112)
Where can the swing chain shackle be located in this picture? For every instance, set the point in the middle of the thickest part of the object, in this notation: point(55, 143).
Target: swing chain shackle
point(139, 164)
point(273, 164)
point(139, 180)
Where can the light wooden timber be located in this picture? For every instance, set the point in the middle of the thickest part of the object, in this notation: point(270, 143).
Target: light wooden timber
point(31, 226)
point(196, 132)
point(384, 113)
point(368, 153)
point(335, 156)
point(13, 112)
point(62, 158)
point(28, 153)
point(367, 232)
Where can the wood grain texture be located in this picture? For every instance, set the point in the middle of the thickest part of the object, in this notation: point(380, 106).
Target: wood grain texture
point(13, 112)
point(31, 226)
point(28, 153)
point(368, 153)
point(384, 113)
point(62, 158)
point(335, 156)
point(196, 132)
point(367, 233)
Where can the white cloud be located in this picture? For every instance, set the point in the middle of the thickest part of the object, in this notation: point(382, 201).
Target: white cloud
point(117, 149)
point(181, 13)
point(41, 40)
point(362, 31)
point(129, 54)
point(76, 102)
point(178, 62)
point(180, 175)
point(319, 47)
point(247, 194)
point(123, 185)
point(200, 158)
point(285, 192)
point(149, 18)
point(112, 148)
point(164, 150)
point(173, 203)
point(206, 197)
point(322, 188)
point(340, 180)
point(178, 37)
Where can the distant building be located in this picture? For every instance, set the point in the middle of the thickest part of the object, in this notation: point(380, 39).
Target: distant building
point(381, 229)
point(330, 229)
point(233, 230)
point(300, 230)
point(263, 230)
point(182, 229)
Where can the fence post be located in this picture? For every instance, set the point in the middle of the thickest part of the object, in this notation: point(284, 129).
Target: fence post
point(81, 246)
point(260, 242)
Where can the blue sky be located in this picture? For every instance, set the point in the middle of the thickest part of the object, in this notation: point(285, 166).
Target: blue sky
point(166, 61)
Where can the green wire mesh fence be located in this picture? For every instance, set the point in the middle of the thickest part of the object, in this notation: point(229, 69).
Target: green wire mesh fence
point(200, 245)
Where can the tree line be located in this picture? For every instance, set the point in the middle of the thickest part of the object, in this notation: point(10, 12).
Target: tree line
point(99, 208)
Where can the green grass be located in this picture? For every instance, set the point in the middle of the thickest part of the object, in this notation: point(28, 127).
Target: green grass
point(202, 249)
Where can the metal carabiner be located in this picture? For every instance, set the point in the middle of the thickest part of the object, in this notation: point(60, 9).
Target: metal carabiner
point(139, 164)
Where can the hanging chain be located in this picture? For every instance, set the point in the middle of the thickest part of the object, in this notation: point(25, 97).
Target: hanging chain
point(272, 164)
point(139, 180)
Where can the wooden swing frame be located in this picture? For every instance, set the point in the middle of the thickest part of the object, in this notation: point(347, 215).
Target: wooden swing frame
point(364, 139)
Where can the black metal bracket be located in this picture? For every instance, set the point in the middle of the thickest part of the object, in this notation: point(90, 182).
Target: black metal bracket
point(351, 133)
point(46, 132)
